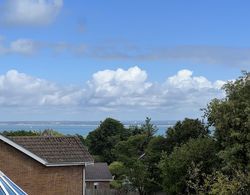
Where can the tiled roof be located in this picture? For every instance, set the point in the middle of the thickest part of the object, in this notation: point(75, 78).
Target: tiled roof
point(55, 150)
point(98, 172)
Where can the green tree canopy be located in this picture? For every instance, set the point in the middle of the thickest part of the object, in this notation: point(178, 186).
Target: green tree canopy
point(103, 139)
point(175, 166)
point(118, 170)
point(231, 118)
point(46, 132)
point(131, 149)
point(153, 154)
point(149, 128)
point(184, 130)
point(21, 133)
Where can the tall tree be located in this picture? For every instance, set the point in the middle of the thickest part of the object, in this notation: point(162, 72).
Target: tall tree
point(231, 118)
point(153, 154)
point(149, 128)
point(102, 140)
point(175, 167)
point(184, 130)
point(131, 153)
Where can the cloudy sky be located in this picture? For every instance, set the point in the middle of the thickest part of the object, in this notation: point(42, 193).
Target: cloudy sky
point(127, 59)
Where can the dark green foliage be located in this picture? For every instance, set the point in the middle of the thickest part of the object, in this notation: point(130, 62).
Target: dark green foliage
point(136, 130)
point(153, 154)
point(149, 128)
point(130, 149)
point(102, 140)
point(21, 133)
point(137, 174)
point(46, 132)
point(184, 130)
point(140, 169)
point(131, 153)
point(175, 166)
point(231, 119)
point(118, 170)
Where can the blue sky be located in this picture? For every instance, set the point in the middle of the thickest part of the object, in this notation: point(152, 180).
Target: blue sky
point(62, 60)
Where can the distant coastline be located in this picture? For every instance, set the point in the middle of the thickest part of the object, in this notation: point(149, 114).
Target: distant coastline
point(73, 127)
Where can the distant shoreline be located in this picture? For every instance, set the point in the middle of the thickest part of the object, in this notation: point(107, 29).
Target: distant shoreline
point(73, 127)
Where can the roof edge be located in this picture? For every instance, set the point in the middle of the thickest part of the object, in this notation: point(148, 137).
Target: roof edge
point(98, 179)
point(39, 159)
point(23, 150)
point(69, 164)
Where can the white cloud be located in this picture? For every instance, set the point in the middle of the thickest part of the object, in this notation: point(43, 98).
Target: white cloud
point(184, 79)
point(19, 46)
point(19, 89)
point(23, 46)
point(131, 88)
point(119, 82)
point(113, 91)
point(31, 12)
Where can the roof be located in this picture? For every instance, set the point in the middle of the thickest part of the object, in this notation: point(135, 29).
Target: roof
point(52, 151)
point(9, 187)
point(98, 172)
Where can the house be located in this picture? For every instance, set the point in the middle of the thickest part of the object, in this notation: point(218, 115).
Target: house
point(98, 176)
point(9, 187)
point(45, 165)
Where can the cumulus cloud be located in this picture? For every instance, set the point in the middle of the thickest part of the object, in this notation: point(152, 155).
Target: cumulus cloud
point(19, 89)
point(112, 90)
point(131, 88)
point(116, 87)
point(30, 12)
point(185, 80)
point(119, 82)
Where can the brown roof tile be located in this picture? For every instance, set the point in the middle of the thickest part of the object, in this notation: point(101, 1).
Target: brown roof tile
point(55, 150)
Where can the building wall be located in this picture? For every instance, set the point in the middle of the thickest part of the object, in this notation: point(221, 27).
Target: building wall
point(101, 184)
point(35, 178)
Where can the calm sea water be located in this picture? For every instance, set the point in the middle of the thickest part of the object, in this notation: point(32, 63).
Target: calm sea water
point(71, 128)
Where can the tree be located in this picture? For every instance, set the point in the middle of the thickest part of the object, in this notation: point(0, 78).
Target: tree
point(51, 132)
point(102, 140)
point(149, 128)
point(117, 169)
point(136, 130)
point(174, 167)
point(46, 132)
point(219, 183)
point(137, 174)
point(153, 154)
point(21, 133)
point(131, 149)
point(231, 118)
point(132, 153)
point(184, 130)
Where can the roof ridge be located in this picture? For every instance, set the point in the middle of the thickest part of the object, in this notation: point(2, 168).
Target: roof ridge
point(41, 136)
point(52, 150)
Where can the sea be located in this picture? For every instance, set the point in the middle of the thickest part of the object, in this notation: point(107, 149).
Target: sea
point(73, 127)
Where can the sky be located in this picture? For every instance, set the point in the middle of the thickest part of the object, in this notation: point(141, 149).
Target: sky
point(88, 60)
